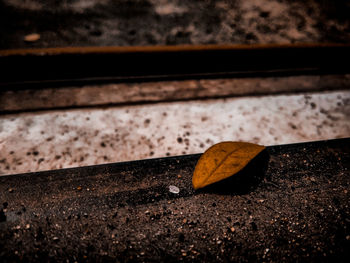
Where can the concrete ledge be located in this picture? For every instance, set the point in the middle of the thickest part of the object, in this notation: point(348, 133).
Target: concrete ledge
point(298, 210)
point(161, 91)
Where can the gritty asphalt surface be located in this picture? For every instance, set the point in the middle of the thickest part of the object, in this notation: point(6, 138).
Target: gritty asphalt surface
point(290, 204)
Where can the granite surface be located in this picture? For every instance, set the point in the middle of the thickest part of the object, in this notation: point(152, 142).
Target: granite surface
point(170, 22)
point(36, 141)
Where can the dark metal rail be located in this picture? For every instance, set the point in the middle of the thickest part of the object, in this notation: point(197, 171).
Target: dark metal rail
point(32, 68)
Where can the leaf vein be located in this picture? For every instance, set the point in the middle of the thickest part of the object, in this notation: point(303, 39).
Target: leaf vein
point(221, 162)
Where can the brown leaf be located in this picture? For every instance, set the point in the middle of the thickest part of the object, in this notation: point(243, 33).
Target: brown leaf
point(223, 160)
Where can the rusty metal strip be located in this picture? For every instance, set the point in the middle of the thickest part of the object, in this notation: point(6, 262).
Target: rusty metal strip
point(158, 49)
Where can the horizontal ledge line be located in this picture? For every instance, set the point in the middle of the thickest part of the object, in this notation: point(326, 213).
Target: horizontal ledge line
point(161, 49)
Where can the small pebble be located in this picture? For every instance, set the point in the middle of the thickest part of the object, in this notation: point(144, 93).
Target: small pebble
point(173, 189)
point(32, 37)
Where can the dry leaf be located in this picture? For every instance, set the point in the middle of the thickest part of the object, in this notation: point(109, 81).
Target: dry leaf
point(32, 37)
point(223, 160)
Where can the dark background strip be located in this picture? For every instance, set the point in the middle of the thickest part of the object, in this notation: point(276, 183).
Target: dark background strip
point(75, 66)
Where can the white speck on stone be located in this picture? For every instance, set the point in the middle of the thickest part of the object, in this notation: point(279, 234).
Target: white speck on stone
point(173, 189)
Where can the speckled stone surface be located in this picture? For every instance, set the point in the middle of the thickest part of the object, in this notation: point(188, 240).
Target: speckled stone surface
point(68, 138)
point(171, 22)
